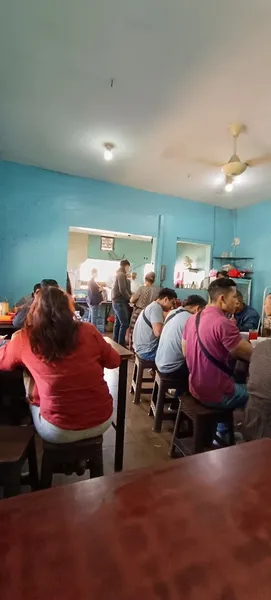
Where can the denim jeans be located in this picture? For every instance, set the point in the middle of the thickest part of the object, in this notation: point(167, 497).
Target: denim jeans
point(238, 399)
point(121, 322)
point(148, 355)
point(93, 315)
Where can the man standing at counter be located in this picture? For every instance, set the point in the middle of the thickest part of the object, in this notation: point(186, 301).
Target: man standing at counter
point(121, 294)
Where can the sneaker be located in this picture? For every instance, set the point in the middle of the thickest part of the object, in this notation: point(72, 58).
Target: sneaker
point(222, 441)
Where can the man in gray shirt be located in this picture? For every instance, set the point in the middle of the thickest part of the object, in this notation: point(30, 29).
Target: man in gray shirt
point(149, 324)
point(121, 294)
point(169, 359)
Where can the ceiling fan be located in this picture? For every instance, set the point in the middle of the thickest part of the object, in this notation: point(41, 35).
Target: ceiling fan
point(235, 166)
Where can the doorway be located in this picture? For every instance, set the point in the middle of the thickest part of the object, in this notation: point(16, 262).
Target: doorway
point(103, 250)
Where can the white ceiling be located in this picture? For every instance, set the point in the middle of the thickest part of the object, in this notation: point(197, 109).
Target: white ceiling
point(183, 70)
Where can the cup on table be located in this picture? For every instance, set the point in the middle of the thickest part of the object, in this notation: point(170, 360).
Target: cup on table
point(253, 334)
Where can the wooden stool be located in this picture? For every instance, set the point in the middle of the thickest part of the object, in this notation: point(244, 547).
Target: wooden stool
point(138, 379)
point(158, 399)
point(199, 423)
point(17, 444)
point(55, 455)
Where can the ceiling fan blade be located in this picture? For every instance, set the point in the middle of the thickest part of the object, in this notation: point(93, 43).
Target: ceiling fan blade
point(259, 160)
point(210, 163)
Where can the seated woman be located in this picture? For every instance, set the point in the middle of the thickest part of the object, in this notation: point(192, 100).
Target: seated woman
point(66, 360)
point(143, 296)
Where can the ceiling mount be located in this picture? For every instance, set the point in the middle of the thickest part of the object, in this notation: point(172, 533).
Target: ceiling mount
point(236, 128)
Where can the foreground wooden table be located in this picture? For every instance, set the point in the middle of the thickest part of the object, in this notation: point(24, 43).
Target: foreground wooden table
point(119, 424)
point(199, 528)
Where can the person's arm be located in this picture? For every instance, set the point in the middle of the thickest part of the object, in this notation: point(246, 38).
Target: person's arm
point(157, 329)
point(243, 351)
point(230, 338)
point(19, 318)
point(11, 354)
point(135, 297)
point(157, 320)
point(123, 286)
point(110, 359)
point(185, 335)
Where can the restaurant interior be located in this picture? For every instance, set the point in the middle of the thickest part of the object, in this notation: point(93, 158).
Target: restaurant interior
point(108, 189)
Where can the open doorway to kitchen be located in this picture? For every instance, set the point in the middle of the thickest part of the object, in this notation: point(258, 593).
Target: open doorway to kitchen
point(103, 250)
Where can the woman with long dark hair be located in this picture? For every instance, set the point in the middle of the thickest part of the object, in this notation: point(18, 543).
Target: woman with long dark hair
point(66, 359)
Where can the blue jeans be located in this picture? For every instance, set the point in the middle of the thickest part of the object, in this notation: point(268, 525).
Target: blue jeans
point(93, 315)
point(121, 322)
point(148, 355)
point(238, 400)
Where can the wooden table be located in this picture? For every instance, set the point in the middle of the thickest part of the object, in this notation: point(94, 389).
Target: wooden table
point(199, 528)
point(119, 423)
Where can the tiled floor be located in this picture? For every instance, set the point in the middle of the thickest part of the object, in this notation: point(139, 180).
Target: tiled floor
point(143, 447)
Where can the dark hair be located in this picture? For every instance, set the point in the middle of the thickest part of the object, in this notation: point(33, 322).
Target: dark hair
point(223, 273)
point(124, 263)
point(36, 287)
point(220, 286)
point(167, 293)
point(50, 325)
point(68, 285)
point(195, 300)
point(239, 295)
point(150, 277)
point(48, 282)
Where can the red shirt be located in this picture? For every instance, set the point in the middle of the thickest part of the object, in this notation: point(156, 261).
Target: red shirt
point(72, 391)
point(220, 336)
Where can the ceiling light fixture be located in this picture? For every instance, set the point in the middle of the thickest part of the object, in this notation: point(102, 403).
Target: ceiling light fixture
point(229, 187)
point(108, 154)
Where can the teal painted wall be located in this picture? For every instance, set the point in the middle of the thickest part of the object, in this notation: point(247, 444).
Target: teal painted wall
point(252, 226)
point(38, 207)
point(137, 252)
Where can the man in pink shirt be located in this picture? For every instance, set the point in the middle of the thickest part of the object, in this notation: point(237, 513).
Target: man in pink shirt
point(210, 339)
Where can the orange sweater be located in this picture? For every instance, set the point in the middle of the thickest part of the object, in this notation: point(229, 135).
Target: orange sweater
point(72, 391)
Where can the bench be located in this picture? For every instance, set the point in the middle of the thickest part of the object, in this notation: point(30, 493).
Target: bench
point(159, 399)
point(55, 456)
point(138, 379)
point(196, 426)
point(17, 444)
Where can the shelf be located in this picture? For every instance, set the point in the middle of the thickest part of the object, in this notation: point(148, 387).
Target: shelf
point(233, 258)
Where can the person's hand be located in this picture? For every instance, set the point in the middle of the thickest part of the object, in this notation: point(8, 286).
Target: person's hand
point(3, 337)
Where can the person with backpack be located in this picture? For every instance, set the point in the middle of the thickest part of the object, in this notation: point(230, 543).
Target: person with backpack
point(169, 359)
point(210, 340)
point(149, 324)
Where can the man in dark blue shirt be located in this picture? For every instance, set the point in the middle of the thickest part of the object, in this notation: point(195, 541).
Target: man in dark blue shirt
point(246, 317)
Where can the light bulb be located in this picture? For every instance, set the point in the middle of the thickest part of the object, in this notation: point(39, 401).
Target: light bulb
point(229, 187)
point(108, 154)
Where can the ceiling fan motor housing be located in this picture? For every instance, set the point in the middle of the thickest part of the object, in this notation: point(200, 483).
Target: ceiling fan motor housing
point(234, 167)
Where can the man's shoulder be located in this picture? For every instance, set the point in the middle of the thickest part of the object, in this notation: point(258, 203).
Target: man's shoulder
point(152, 306)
